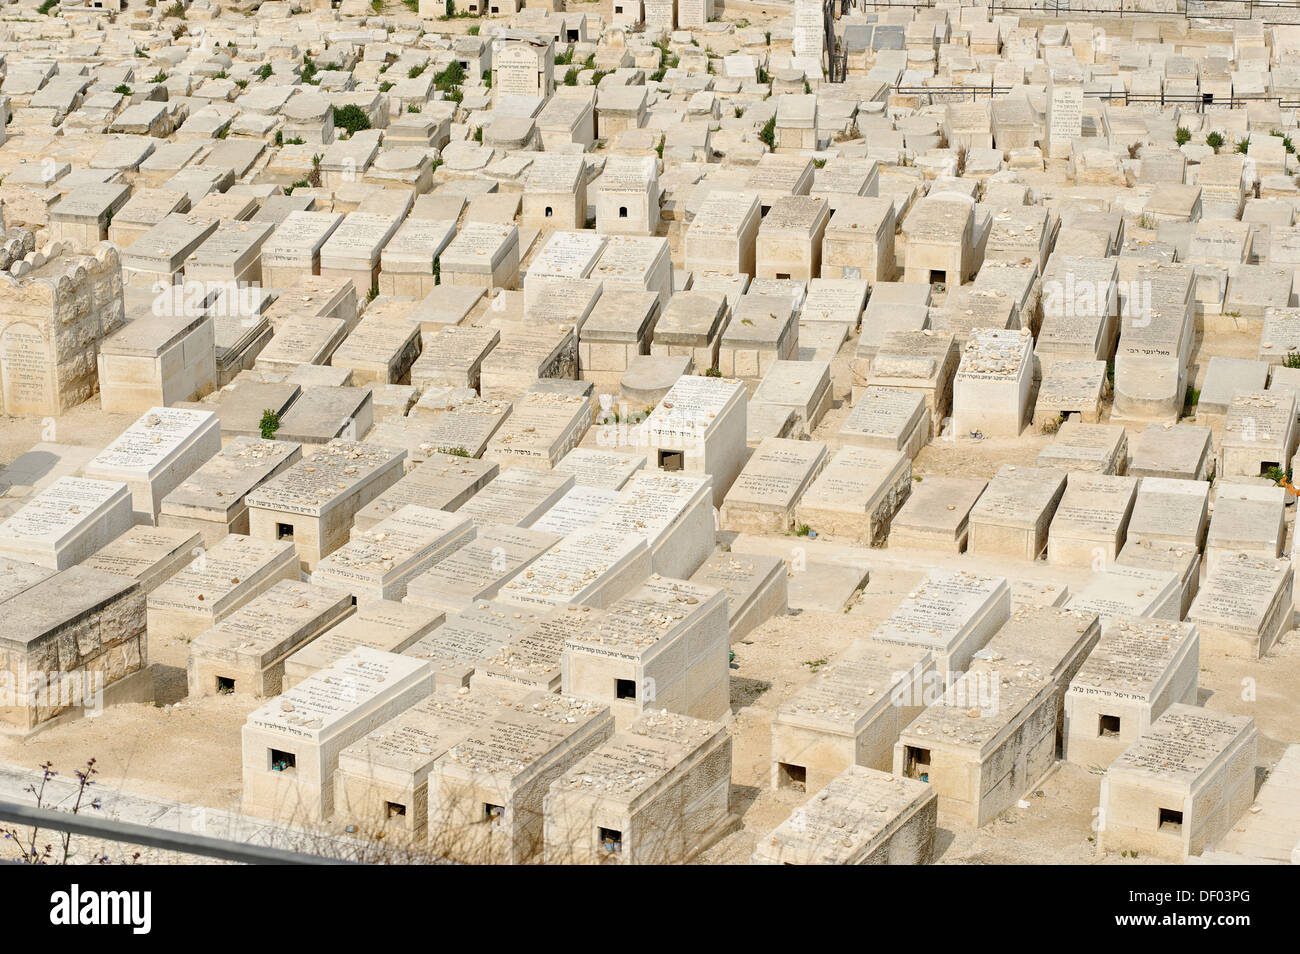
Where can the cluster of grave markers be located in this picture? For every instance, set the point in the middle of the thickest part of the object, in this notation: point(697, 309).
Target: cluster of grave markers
point(489, 387)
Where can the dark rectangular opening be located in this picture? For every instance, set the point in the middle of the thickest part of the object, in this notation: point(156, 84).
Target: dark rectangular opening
point(916, 763)
point(1170, 820)
point(783, 276)
point(283, 761)
point(1108, 727)
point(284, 531)
point(672, 460)
point(492, 812)
point(624, 688)
point(938, 276)
point(225, 685)
point(611, 840)
point(792, 776)
point(394, 809)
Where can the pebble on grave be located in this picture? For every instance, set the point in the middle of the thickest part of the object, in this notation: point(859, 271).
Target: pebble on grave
point(245, 652)
point(857, 495)
point(475, 572)
point(380, 563)
point(992, 385)
point(763, 497)
point(1245, 606)
point(663, 646)
point(156, 453)
point(861, 817)
point(699, 427)
point(291, 744)
point(487, 792)
point(311, 505)
point(656, 793)
point(67, 522)
point(211, 500)
point(1091, 521)
point(936, 515)
point(74, 641)
point(756, 587)
point(385, 625)
point(950, 613)
point(1013, 515)
point(1139, 667)
point(381, 783)
point(992, 734)
point(217, 582)
point(851, 713)
point(1181, 786)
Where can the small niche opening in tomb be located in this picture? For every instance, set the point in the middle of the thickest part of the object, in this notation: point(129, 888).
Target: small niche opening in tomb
point(783, 276)
point(284, 531)
point(1108, 727)
point(624, 688)
point(225, 685)
point(938, 276)
point(1170, 820)
point(794, 777)
point(622, 211)
point(549, 211)
point(492, 813)
point(917, 763)
point(611, 840)
point(394, 809)
point(283, 761)
point(671, 460)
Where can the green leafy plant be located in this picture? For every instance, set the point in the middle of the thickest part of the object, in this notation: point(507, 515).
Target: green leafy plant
point(767, 134)
point(1214, 140)
point(122, 89)
point(159, 77)
point(1292, 359)
point(571, 77)
point(1243, 147)
point(454, 451)
point(45, 8)
point(1287, 144)
point(177, 10)
point(352, 118)
point(264, 71)
point(269, 424)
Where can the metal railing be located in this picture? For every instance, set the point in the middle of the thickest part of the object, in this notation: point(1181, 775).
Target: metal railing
point(150, 837)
